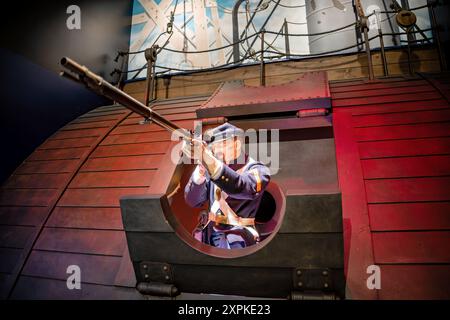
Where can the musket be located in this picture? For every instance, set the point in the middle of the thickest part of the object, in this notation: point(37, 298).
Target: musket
point(94, 82)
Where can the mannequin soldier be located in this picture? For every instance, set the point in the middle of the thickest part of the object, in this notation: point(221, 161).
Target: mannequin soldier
point(233, 188)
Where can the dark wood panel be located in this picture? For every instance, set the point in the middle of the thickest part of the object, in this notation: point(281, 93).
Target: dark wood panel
point(403, 132)
point(46, 181)
point(8, 259)
point(139, 178)
point(406, 167)
point(408, 190)
point(50, 166)
point(57, 154)
point(53, 265)
point(98, 114)
point(49, 289)
point(130, 149)
point(100, 242)
point(385, 99)
point(15, 236)
point(24, 216)
point(412, 247)
point(137, 138)
point(410, 216)
point(402, 118)
point(395, 107)
point(426, 282)
point(86, 218)
point(68, 143)
point(23, 197)
point(98, 197)
point(398, 148)
point(122, 163)
point(386, 91)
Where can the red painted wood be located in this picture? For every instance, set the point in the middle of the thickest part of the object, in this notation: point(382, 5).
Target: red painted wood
point(377, 108)
point(53, 265)
point(386, 99)
point(357, 238)
point(130, 149)
point(98, 119)
point(27, 197)
point(68, 143)
point(101, 242)
point(376, 86)
point(89, 125)
point(403, 132)
point(51, 166)
point(82, 133)
point(139, 178)
point(135, 127)
point(122, 163)
point(402, 118)
point(86, 218)
point(384, 92)
point(410, 216)
point(415, 282)
point(57, 154)
point(25, 216)
point(137, 138)
point(408, 190)
point(96, 115)
point(397, 148)
point(46, 181)
point(15, 236)
point(406, 167)
point(411, 247)
point(101, 197)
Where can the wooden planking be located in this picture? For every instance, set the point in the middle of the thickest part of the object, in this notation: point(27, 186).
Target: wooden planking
point(410, 216)
point(138, 178)
point(68, 143)
point(424, 282)
point(363, 93)
point(53, 265)
point(50, 166)
point(401, 118)
point(377, 86)
point(34, 288)
point(23, 216)
point(86, 218)
point(154, 136)
point(58, 154)
point(406, 167)
point(400, 148)
point(403, 132)
point(89, 125)
point(139, 162)
point(8, 259)
point(15, 236)
point(385, 99)
point(130, 149)
point(408, 190)
point(411, 247)
point(36, 181)
point(27, 197)
point(100, 242)
point(101, 197)
point(136, 127)
point(394, 107)
point(82, 133)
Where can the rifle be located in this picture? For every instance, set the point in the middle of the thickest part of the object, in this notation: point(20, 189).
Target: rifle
point(94, 82)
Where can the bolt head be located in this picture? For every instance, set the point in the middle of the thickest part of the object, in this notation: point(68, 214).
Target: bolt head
point(300, 284)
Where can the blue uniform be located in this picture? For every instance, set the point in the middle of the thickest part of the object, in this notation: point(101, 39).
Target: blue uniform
point(244, 190)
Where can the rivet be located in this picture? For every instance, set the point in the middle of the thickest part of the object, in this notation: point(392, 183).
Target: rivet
point(300, 284)
point(325, 285)
point(145, 266)
point(299, 272)
point(325, 273)
point(167, 278)
point(145, 276)
point(165, 268)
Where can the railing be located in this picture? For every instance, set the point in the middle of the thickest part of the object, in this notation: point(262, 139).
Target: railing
point(269, 52)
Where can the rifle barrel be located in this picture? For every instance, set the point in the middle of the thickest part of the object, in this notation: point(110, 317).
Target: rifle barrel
point(96, 83)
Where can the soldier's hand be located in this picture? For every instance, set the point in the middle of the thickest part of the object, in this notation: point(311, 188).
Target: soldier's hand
point(194, 150)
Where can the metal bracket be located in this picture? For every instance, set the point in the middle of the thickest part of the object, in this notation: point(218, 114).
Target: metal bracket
point(156, 272)
point(146, 121)
point(306, 279)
